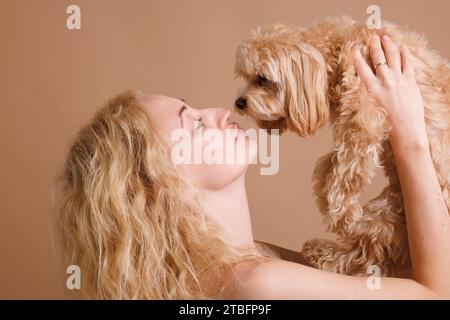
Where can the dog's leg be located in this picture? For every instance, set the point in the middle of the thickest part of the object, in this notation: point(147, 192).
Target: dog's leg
point(346, 256)
point(340, 176)
point(383, 220)
point(378, 238)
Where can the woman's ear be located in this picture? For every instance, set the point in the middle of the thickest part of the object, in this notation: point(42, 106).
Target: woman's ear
point(307, 107)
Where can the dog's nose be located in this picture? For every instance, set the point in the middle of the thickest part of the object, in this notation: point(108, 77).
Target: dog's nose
point(241, 103)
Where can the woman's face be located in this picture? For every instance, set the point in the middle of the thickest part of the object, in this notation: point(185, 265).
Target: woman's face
point(173, 116)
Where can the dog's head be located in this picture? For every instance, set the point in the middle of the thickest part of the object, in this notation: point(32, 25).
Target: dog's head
point(286, 81)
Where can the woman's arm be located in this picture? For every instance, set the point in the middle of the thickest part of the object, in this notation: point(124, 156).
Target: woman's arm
point(427, 218)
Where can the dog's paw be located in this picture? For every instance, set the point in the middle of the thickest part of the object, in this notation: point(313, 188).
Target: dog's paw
point(328, 255)
point(315, 251)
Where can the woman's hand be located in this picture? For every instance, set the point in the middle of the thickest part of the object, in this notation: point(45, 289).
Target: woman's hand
point(394, 85)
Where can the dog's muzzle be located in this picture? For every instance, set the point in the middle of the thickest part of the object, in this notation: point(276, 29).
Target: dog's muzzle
point(241, 103)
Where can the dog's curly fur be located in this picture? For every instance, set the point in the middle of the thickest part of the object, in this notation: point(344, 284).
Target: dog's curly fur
point(301, 79)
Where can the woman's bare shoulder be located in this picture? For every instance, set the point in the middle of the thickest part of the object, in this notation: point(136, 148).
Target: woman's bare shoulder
point(260, 278)
point(251, 278)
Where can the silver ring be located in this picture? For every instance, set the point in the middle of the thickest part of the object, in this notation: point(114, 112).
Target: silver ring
point(380, 64)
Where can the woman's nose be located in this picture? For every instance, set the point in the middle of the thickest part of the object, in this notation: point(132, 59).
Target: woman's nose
point(216, 117)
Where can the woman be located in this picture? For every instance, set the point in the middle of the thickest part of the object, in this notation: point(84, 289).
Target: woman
point(140, 226)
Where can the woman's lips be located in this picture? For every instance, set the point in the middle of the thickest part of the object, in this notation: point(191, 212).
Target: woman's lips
point(235, 125)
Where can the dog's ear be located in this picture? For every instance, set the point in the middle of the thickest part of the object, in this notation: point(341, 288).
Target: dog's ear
point(307, 106)
point(273, 124)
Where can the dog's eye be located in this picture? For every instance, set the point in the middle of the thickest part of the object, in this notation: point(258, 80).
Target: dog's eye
point(261, 81)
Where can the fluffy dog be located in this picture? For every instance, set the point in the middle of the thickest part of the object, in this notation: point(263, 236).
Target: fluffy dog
point(301, 79)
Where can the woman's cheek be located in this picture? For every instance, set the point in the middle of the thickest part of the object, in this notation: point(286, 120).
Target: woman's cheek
point(252, 150)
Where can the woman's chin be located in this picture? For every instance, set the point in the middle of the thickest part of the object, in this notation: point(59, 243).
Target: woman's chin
point(246, 150)
point(252, 150)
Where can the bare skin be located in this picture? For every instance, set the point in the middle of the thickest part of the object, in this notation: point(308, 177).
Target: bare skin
point(285, 275)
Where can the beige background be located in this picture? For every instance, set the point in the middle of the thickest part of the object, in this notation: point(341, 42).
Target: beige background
point(51, 79)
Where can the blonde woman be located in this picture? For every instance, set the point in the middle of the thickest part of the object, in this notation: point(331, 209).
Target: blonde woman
point(141, 227)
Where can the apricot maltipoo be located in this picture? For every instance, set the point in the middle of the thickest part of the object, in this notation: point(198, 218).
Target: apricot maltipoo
point(301, 79)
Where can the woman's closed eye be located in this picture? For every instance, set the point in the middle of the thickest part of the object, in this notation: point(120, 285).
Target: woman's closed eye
point(198, 124)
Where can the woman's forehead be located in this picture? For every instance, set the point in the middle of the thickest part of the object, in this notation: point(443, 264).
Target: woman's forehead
point(159, 104)
point(163, 111)
point(157, 100)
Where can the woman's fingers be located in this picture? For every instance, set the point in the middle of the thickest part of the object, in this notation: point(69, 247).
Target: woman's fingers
point(407, 62)
point(392, 54)
point(377, 55)
point(362, 68)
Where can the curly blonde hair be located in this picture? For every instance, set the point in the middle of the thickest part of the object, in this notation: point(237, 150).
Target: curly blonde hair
point(124, 215)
